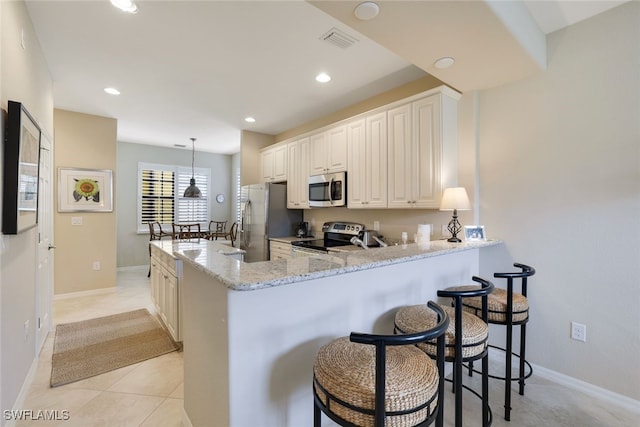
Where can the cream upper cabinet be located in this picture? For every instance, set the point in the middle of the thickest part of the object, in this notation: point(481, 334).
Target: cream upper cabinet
point(298, 172)
point(422, 149)
point(328, 151)
point(367, 162)
point(274, 163)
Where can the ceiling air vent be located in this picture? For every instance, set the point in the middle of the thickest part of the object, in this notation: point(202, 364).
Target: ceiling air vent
point(338, 38)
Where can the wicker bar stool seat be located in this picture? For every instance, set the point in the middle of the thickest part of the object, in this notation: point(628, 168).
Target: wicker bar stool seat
point(381, 380)
point(475, 332)
point(466, 339)
point(497, 301)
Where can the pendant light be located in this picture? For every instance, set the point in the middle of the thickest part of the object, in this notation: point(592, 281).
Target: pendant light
point(192, 191)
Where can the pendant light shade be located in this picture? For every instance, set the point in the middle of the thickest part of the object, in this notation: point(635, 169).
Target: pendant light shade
point(192, 191)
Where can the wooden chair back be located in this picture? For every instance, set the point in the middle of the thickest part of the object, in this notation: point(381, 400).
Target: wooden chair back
point(186, 231)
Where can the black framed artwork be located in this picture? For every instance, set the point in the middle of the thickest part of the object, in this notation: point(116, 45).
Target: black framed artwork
point(21, 168)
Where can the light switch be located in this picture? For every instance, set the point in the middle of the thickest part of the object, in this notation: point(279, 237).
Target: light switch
point(76, 220)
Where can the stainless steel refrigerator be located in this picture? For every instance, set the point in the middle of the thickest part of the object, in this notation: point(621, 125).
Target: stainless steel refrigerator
point(264, 214)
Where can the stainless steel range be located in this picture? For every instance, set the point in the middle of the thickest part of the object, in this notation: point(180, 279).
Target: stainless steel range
point(335, 234)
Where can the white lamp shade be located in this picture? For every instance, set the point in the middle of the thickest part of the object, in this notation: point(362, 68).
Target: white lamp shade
point(455, 198)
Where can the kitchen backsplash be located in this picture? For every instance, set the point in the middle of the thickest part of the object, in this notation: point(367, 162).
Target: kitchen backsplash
point(392, 221)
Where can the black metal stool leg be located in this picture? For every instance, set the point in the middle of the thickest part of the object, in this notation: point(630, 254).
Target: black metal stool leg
point(485, 390)
point(457, 363)
point(507, 375)
point(316, 415)
point(523, 341)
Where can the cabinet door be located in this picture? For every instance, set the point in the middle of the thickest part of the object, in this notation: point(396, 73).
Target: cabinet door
point(318, 154)
point(357, 165)
point(298, 171)
point(267, 165)
point(400, 152)
point(427, 146)
point(156, 282)
point(376, 161)
point(304, 147)
point(337, 149)
point(280, 163)
point(171, 304)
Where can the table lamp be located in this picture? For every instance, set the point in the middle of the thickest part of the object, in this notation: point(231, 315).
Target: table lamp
point(455, 199)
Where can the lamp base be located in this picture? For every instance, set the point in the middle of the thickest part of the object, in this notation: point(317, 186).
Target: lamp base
point(454, 240)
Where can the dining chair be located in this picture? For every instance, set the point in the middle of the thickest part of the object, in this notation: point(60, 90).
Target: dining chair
point(187, 231)
point(217, 229)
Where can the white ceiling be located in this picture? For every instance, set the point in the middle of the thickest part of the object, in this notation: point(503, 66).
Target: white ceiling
point(197, 69)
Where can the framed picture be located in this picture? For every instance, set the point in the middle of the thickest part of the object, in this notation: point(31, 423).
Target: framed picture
point(85, 190)
point(21, 167)
point(474, 232)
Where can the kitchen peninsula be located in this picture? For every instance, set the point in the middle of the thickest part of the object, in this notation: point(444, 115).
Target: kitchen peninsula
point(251, 330)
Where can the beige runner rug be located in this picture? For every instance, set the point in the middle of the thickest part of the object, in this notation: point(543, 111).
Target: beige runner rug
point(91, 347)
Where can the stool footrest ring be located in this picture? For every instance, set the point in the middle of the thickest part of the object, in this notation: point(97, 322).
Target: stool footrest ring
point(496, 377)
point(478, 396)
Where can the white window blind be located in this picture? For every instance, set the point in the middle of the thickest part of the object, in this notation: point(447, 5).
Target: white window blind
point(192, 210)
point(160, 190)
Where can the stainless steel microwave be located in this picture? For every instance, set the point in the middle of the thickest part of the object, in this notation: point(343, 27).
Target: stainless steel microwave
point(328, 190)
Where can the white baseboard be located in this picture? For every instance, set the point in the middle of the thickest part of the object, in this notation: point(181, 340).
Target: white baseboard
point(600, 393)
point(22, 396)
point(84, 293)
point(186, 422)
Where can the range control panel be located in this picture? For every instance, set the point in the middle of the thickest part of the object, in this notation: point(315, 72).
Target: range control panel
point(351, 228)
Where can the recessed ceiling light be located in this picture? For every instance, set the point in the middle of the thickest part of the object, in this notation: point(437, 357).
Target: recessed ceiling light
point(323, 78)
point(125, 5)
point(250, 120)
point(112, 91)
point(445, 62)
point(367, 10)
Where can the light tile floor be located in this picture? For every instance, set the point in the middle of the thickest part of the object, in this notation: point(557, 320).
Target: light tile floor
point(147, 394)
point(150, 393)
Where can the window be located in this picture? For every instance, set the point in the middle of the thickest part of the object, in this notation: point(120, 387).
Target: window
point(160, 190)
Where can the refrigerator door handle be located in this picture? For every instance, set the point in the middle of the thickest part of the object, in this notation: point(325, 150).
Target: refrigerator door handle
point(246, 223)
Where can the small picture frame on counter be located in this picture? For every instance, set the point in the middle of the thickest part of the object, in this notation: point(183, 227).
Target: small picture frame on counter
point(474, 233)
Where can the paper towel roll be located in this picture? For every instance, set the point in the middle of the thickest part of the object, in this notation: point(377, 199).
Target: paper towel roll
point(424, 232)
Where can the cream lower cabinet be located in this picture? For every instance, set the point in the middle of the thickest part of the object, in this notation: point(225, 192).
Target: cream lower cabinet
point(165, 290)
point(298, 173)
point(422, 150)
point(367, 162)
point(279, 250)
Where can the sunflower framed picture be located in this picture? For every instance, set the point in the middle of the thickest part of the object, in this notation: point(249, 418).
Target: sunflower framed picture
point(85, 190)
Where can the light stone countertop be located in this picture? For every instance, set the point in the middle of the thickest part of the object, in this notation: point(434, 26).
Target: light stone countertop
point(212, 259)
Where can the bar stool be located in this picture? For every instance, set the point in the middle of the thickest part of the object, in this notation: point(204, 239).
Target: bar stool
point(370, 380)
point(465, 339)
point(509, 308)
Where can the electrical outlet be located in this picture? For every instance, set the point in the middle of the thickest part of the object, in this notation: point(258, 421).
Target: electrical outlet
point(445, 231)
point(578, 332)
point(26, 330)
point(96, 265)
point(376, 225)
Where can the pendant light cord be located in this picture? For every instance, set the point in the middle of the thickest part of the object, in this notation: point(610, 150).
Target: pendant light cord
point(193, 156)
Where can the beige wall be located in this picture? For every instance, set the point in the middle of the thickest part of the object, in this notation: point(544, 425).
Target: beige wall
point(250, 166)
point(89, 142)
point(560, 183)
point(24, 77)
